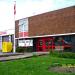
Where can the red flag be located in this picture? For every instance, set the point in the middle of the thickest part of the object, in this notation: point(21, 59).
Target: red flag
point(14, 7)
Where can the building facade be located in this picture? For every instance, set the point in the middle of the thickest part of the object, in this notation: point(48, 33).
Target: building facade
point(45, 31)
point(6, 36)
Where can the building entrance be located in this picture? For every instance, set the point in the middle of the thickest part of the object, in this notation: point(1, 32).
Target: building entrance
point(44, 44)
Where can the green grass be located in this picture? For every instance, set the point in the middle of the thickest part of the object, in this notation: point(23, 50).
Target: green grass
point(33, 66)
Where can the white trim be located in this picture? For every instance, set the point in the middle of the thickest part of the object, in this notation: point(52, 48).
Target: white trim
point(6, 34)
point(47, 35)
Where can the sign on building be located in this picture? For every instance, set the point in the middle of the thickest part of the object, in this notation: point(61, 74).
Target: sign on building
point(25, 43)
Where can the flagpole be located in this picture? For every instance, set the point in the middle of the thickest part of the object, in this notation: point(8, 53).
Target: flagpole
point(14, 48)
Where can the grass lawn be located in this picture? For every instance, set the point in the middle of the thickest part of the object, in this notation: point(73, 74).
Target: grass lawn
point(33, 66)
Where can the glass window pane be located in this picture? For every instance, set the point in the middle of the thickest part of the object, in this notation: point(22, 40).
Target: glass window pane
point(21, 28)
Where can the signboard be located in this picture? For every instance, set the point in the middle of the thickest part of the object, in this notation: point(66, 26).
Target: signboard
point(28, 42)
point(21, 43)
point(25, 43)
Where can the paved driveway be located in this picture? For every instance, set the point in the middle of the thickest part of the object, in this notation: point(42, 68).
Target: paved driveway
point(13, 56)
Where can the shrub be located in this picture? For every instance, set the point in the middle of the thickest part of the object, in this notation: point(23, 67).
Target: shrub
point(29, 49)
point(20, 49)
point(63, 54)
point(50, 52)
point(24, 49)
point(67, 50)
point(55, 53)
point(68, 55)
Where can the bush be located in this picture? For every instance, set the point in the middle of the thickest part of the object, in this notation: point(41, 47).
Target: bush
point(68, 55)
point(67, 50)
point(55, 53)
point(20, 49)
point(24, 49)
point(63, 54)
point(29, 49)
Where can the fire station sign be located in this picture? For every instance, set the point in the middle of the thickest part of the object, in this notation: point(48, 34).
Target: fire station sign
point(25, 43)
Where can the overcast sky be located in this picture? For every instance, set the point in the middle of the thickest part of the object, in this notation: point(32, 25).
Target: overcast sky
point(26, 8)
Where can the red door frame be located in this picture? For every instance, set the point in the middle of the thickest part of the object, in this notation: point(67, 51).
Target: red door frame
point(44, 47)
point(38, 46)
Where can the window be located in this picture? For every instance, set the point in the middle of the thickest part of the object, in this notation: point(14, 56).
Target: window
point(23, 26)
point(59, 41)
point(67, 38)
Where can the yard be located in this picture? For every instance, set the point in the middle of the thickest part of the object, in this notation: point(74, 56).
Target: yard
point(33, 66)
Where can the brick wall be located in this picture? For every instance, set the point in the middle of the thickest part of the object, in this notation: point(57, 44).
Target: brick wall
point(55, 22)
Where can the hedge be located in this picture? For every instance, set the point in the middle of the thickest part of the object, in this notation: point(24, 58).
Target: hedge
point(24, 49)
point(63, 54)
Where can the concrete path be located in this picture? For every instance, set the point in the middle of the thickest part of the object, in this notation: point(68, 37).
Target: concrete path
point(11, 56)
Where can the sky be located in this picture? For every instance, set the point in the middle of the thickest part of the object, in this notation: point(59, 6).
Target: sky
point(27, 8)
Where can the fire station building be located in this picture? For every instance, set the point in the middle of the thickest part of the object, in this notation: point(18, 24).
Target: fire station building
point(48, 30)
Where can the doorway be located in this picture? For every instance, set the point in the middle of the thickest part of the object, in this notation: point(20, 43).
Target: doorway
point(44, 44)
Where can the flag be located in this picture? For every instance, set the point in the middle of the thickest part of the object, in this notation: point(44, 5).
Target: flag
point(14, 7)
